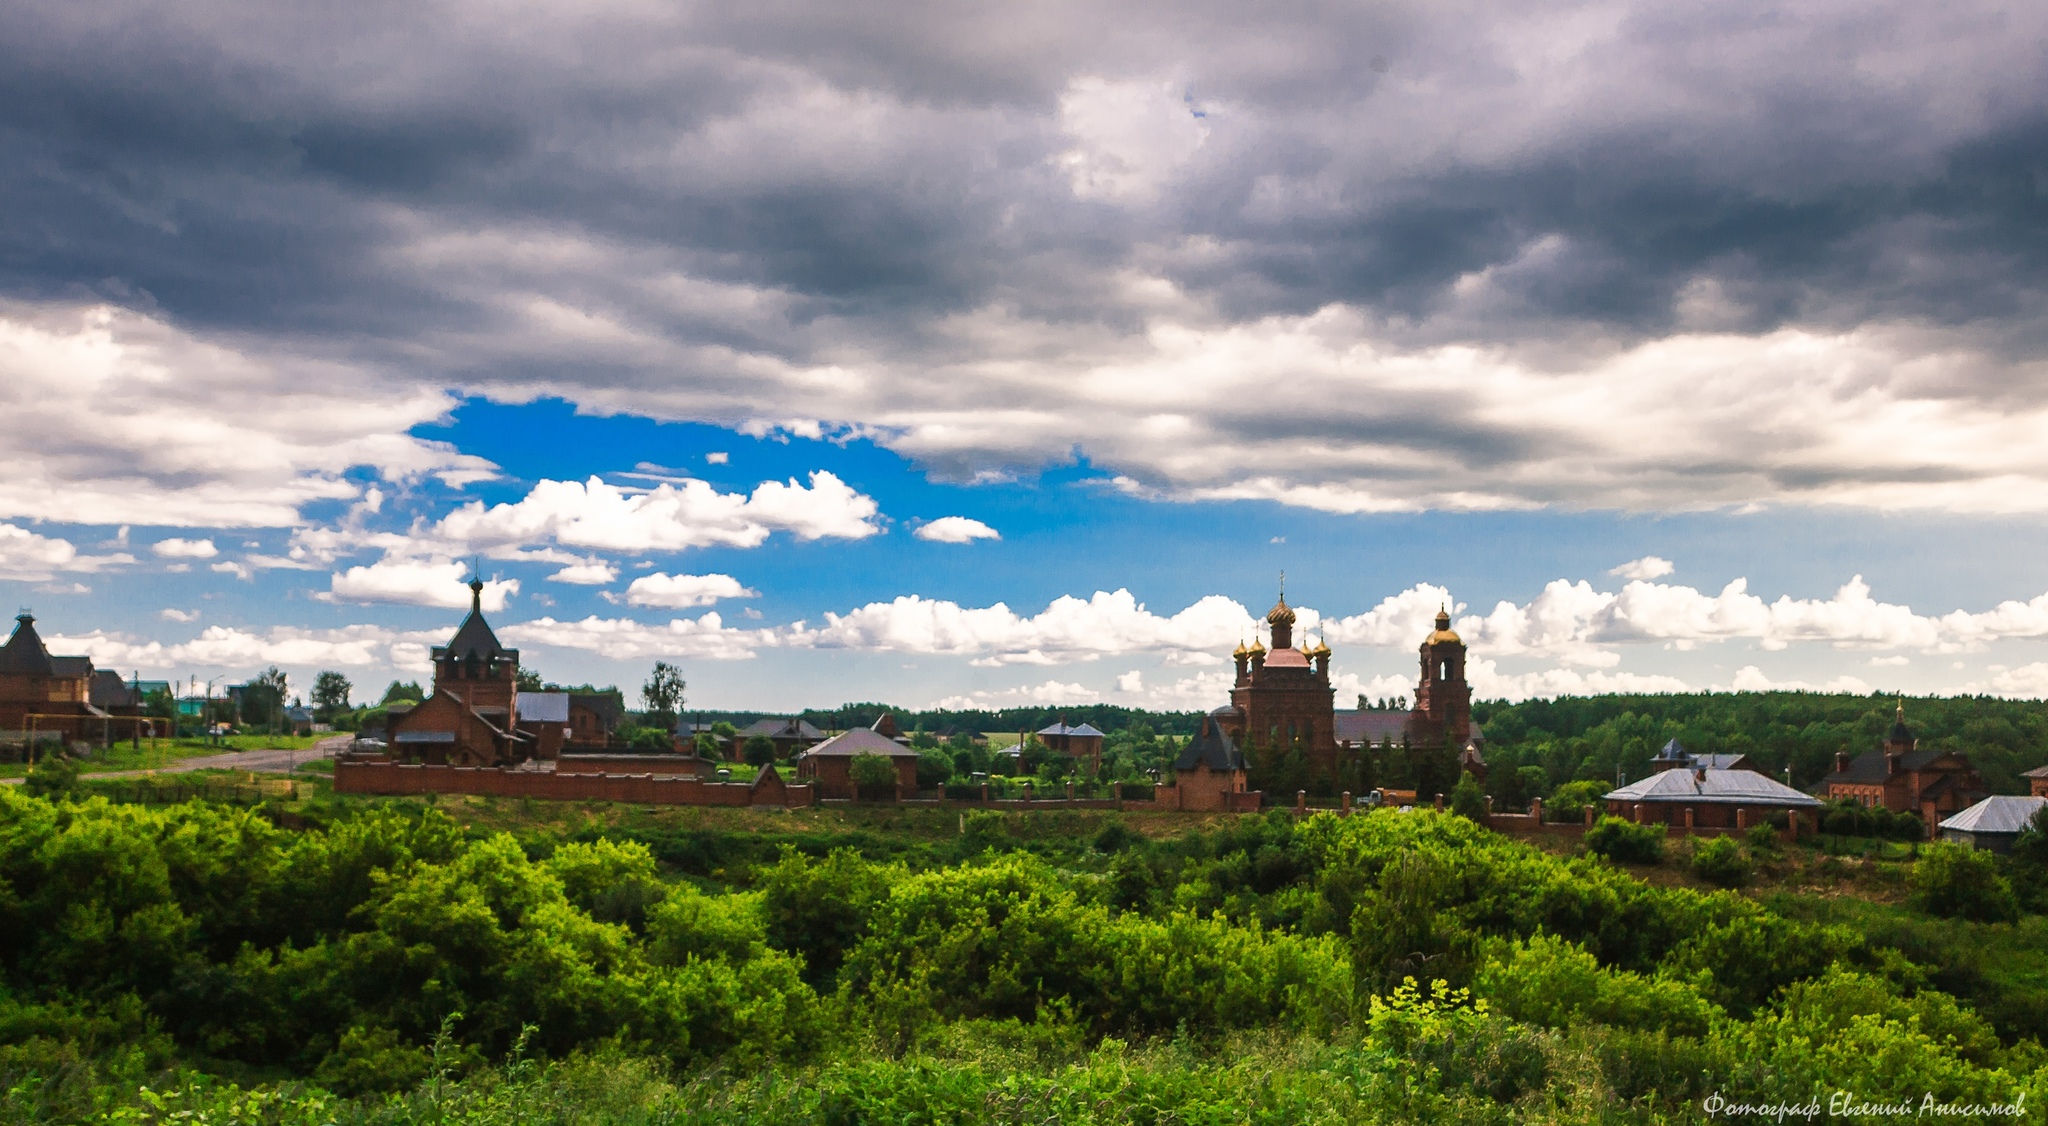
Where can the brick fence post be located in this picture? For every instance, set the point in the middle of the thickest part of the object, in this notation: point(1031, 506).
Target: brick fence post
point(1347, 801)
point(1536, 809)
point(1439, 803)
point(1300, 802)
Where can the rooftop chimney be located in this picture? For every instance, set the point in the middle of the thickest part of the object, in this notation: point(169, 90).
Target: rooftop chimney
point(1841, 762)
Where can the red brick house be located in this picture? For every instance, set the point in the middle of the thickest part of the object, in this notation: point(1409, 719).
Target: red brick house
point(2037, 781)
point(1900, 777)
point(1080, 742)
point(43, 693)
point(826, 765)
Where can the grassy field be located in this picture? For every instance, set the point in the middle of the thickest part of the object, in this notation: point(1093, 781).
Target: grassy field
point(158, 753)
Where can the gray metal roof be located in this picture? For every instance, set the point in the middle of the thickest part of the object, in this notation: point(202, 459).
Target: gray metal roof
point(860, 741)
point(1370, 726)
point(543, 707)
point(1996, 815)
point(1733, 787)
point(1063, 729)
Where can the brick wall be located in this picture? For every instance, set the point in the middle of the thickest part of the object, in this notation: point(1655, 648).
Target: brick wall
point(645, 789)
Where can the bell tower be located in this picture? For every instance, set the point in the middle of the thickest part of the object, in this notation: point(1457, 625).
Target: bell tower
point(1443, 701)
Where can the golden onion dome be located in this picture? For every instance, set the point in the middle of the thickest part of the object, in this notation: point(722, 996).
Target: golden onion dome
point(1444, 632)
point(1258, 648)
point(1321, 649)
point(1281, 613)
point(1240, 652)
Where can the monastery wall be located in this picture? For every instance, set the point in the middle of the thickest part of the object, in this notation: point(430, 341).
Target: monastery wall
point(644, 789)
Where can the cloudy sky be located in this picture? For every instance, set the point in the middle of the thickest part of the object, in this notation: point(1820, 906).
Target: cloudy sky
point(894, 351)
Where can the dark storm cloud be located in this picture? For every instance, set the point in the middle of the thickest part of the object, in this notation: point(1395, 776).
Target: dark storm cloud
point(692, 211)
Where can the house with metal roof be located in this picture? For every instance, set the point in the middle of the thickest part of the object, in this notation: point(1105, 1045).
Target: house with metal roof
point(788, 735)
point(1994, 823)
point(828, 766)
point(1081, 742)
point(1710, 798)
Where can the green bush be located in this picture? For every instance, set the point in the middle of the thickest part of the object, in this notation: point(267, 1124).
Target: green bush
point(1569, 802)
point(1956, 882)
point(1721, 862)
point(873, 776)
point(54, 773)
point(758, 750)
point(1626, 842)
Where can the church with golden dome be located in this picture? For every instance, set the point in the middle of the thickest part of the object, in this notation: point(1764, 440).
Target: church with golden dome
point(1283, 702)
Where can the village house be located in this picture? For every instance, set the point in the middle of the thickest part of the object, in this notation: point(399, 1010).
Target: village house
point(1706, 797)
point(827, 765)
point(49, 696)
point(1900, 777)
point(1994, 823)
point(1080, 742)
point(789, 735)
point(2037, 781)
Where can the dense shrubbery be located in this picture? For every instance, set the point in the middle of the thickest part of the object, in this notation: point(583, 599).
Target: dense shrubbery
point(1721, 862)
point(1626, 841)
point(1263, 970)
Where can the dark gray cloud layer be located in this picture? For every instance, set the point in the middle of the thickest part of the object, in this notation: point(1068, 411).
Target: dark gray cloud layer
point(909, 217)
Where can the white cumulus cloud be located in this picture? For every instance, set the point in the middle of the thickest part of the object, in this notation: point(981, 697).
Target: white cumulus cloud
point(594, 573)
point(681, 592)
point(669, 517)
point(956, 529)
point(415, 583)
point(1648, 567)
point(29, 557)
point(185, 549)
point(621, 639)
point(1070, 629)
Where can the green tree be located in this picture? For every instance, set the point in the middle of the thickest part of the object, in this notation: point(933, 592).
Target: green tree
point(758, 750)
point(663, 694)
point(934, 769)
point(330, 695)
point(263, 698)
point(529, 680)
point(1468, 798)
point(403, 693)
point(873, 776)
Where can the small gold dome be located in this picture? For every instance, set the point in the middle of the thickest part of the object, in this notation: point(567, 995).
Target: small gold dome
point(1258, 648)
point(1281, 613)
point(1240, 652)
point(1321, 649)
point(1444, 632)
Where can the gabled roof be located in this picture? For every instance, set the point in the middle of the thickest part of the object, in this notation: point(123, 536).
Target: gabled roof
point(781, 728)
point(1673, 752)
point(108, 690)
point(1063, 729)
point(860, 741)
point(1734, 787)
point(1720, 762)
point(24, 654)
point(2037, 772)
point(1211, 747)
point(1869, 768)
point(1996, 815)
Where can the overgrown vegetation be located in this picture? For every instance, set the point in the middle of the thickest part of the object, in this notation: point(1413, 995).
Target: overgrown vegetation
point(383, 961)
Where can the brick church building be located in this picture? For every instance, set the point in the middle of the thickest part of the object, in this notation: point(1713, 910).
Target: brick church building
point(1283, 699)
point(1899, 776)
point(472, 718)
